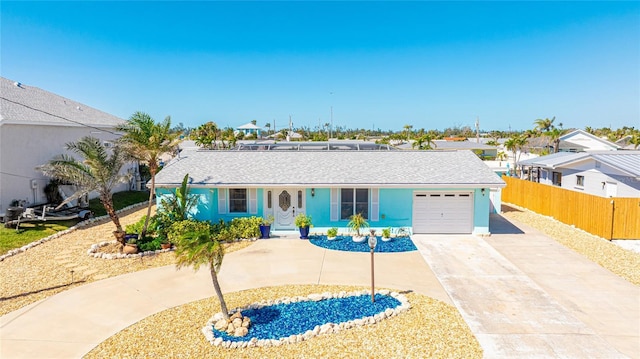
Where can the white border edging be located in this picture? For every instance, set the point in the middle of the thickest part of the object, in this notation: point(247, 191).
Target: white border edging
point(326, 328)
point(89, 221)
point(93, 252)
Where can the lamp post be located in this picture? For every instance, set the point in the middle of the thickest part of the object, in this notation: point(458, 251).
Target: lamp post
point(372, 241)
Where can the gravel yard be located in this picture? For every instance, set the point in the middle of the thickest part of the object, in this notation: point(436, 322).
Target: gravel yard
point(623, 262)
point(429, 329)
point(45, 270)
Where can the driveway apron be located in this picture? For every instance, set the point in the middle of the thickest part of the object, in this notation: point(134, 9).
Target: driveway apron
point(525, 296)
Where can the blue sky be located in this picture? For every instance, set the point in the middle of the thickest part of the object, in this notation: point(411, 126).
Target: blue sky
point(382, 65)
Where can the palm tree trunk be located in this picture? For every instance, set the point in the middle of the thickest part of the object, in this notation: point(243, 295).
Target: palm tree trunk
point(216, 286)
point(108, 206)
point(152, 170)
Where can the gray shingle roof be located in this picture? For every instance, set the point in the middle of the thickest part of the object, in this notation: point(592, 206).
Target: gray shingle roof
point(444, 169)
point(30, 105)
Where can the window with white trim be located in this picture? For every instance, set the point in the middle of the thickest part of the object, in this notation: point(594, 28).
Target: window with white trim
point(354, 200)
point(237, 200)
point(580, 181)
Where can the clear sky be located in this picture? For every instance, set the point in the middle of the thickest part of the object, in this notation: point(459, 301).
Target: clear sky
point(382, 65)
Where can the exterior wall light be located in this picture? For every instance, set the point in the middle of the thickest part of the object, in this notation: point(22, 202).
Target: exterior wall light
point(313, 192)
point(482, 190)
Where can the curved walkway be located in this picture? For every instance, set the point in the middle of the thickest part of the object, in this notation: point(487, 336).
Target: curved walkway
point(70, 324)
point(521, 293)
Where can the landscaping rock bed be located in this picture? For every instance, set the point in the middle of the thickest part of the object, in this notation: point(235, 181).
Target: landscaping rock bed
point(429, 329)
point(345, 243)
point(295, 319)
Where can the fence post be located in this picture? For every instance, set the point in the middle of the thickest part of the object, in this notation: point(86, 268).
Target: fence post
point(613, 216)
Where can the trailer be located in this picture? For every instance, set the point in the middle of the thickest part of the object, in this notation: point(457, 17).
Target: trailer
point(17, 215)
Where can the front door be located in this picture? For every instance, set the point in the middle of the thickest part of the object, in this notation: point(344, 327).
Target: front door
point(289, 202)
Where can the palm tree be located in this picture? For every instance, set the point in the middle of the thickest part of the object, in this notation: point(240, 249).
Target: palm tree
point(544, 125)
point(146, 140)
point(197, 248)
point(424, 142)
point(408, 130)
point(99, 171)
point(207, 135)
point(515, 144)
point(554, 136)
point(635, 139)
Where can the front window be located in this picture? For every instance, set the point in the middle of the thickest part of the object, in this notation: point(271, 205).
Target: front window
point(237, 200)
point(352, 201)
point(580, 181)
point(557, 179)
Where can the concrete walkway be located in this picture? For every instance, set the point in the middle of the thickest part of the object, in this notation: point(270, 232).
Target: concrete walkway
point(526, 296)
point(70, 324)
point(521, 293)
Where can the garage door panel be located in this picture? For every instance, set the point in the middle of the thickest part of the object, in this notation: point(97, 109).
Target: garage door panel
point(445, 212)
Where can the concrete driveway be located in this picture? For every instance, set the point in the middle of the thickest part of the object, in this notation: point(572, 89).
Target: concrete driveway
point(526, 296)
point(522, 294)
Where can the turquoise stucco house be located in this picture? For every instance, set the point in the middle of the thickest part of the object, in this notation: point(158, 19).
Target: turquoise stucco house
point(426, 191)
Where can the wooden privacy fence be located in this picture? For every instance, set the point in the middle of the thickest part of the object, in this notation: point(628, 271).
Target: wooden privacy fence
point(610, 218)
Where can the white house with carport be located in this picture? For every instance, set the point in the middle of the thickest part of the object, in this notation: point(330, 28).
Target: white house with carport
point(35, 125)
point(600, 173)
point(428, 191)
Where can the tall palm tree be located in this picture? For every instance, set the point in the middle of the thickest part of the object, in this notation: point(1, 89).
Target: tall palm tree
point(207, 135)
point(554, 136)
point(146, 140)
point(515, 143)
point(545, 124)
point(98, 171)
point(197, 248)
point(408, 130)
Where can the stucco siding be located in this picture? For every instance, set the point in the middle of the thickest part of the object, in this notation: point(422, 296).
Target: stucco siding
point(24, 147)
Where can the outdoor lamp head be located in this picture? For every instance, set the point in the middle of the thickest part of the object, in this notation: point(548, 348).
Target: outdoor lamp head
point(372, 241)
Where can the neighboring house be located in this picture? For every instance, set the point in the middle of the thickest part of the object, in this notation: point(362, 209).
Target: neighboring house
point(35, 125)
point(481, 149)
point(249, 129)
point(582, 141)
point(574, 141)
point(600, 173)
point(429, 191)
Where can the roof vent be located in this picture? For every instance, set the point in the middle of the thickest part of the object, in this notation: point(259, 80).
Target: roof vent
point(78, 108)
point(17, 84)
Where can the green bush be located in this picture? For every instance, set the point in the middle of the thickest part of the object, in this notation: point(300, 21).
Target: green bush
point(178, 229)
point(148, 243)
point(137, 227)
point(245, 227)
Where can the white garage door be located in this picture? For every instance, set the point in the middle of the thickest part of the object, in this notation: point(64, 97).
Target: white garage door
point(442, 212)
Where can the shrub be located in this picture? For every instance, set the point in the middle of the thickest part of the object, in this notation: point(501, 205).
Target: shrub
point(148, 243)
point(245, 227)
point(178, 229)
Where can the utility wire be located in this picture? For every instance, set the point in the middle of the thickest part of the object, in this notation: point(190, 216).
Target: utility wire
point(60, 117)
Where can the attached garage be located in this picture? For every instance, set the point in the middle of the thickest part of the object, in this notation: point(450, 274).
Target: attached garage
point(443, 212)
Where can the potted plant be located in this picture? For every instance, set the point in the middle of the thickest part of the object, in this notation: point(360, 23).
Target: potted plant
point(265, 226)
point(303, 222)
point(332, 233)
point(356, 222)
point(165, 243)
point(386, 234)
point(131, 245)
